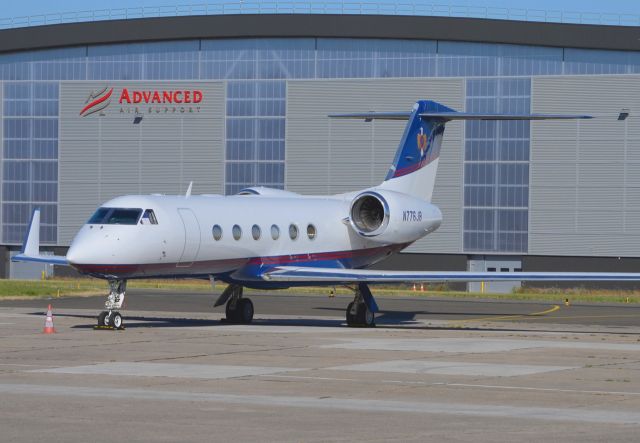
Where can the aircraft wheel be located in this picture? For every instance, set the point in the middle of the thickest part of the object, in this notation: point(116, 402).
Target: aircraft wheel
point(102, 318)
point(230, 313)
point(116, 320)
point(365, 317)
point(350, 317)
point(246, 311)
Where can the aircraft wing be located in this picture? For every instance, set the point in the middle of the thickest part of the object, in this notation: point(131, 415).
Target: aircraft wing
point(331, 275)
point(31, 246)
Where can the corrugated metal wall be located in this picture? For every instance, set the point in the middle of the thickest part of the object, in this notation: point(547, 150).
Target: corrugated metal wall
point(104, 156)
point(1, 139)
point(326, 156)
point(585, 176)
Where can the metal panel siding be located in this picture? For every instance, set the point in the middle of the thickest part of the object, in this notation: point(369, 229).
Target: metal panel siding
point(332, 156)
point(1, 152)
point(583, 189)
point(104, 156)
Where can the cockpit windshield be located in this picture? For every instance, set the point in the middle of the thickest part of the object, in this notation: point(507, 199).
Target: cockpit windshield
point(116, 216)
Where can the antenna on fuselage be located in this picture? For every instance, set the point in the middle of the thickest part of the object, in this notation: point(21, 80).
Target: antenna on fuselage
point(188, 194)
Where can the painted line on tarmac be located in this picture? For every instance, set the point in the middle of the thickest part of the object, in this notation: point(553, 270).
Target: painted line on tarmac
point(554, 308)
point(455, 385)
point(569, 317)
point(332, 403)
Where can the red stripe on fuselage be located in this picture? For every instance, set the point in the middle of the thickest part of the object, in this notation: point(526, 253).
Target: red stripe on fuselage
point(149, 268)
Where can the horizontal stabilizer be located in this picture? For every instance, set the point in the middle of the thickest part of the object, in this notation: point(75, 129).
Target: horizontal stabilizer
point(448, 116)
point(330, 275)
point(368, 116)
point(474, 116)
point(31, 246)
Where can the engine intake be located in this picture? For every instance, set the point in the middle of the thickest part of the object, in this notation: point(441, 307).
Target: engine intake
point(369, 214)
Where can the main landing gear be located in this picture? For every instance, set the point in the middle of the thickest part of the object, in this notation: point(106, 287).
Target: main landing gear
point(361, 311)
point(238, 309)
point(111, 318)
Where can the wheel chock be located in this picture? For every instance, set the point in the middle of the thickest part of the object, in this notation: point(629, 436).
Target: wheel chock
point(106, 328)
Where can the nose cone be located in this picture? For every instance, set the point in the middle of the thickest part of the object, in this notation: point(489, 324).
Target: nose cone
point(78, 254)
point(83, 247)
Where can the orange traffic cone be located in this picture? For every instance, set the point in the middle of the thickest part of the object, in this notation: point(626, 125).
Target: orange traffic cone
point(48, 323)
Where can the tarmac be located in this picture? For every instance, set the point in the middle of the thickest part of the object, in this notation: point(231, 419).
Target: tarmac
point(433, 370)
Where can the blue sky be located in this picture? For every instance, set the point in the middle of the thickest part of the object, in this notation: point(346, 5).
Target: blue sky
point(36, 7)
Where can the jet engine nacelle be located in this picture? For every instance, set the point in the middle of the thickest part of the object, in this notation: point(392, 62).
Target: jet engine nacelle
point(392, 217)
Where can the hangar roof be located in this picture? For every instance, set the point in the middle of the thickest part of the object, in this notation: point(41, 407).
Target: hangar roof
point(321, 25)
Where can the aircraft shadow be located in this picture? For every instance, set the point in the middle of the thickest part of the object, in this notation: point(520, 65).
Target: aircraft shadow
point(400, 322)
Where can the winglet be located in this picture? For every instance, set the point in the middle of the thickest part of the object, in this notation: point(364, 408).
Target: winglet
point(188, 193)
point(31, 244)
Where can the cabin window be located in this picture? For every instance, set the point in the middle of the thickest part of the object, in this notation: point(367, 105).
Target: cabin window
point(255, 232)
point(237, 232)
point(311, 231)
point(116, 216)
point(293, 231)
point(217, 232)
point(149, 218)
point(275, 232)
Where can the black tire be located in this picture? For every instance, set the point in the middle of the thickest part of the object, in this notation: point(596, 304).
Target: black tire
point(232, 314)
point(351, 320)
point(107, 319)
point(101, 318)
point(364, 317)
point(245, 313)
point(116, 320)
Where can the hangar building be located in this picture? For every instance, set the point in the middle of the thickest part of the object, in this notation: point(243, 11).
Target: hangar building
point(99, 109)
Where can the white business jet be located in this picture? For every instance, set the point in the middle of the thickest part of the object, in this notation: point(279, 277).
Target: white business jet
point(272, 239)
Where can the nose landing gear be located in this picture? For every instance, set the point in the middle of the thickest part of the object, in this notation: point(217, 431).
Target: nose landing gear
point(111, 318)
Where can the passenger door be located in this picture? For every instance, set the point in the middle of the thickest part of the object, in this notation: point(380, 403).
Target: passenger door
point(191, 237)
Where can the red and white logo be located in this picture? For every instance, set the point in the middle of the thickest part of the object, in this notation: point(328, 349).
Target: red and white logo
point(422, 141)
point(138, 101)
point(97, 101)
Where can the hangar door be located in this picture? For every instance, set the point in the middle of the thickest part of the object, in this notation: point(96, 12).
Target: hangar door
point(191, 237)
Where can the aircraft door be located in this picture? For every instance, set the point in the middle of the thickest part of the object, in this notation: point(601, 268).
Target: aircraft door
point(191, 237)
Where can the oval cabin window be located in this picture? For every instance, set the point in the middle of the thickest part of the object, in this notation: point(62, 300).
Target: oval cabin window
point(293, 231)
point(217, 232)
point(311, 231)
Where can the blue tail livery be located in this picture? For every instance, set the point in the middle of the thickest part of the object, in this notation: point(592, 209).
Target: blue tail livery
point(414, 167)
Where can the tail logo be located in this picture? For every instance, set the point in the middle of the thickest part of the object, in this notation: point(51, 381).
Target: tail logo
point(422, 141)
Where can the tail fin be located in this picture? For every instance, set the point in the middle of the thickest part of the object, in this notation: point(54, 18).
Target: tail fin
point(415, 165)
